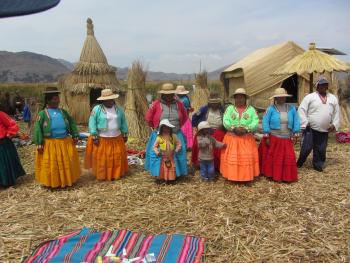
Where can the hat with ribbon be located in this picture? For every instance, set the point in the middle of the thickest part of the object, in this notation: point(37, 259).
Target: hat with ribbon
point(181, 90)
point(167, 88)
point(51, 90)
point(107, 94)
point(279, 93)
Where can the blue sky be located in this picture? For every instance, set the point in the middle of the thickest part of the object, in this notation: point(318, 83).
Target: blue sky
point(173, 36)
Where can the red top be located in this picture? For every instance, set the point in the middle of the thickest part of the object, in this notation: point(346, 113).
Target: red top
point(8, 127)
point(155, 112)
point(240, 110)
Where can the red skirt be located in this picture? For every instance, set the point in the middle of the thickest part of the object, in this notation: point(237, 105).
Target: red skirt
point(277, 160)
point(219, 136)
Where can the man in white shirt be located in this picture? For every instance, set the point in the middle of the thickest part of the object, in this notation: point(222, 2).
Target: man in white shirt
point(319, 115)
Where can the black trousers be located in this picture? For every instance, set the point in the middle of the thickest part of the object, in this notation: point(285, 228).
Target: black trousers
point(315, 141)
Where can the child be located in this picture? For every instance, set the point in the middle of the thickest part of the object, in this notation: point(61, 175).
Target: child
point(206, 145)
point(165, 146)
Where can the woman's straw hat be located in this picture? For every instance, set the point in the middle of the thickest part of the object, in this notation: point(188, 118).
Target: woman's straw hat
point(214, 98)
point(51, 90)
point(107, 94)
point(279, 93)
point(203, 125)
point(167, 88)
point(240, 91)
point(181, 90)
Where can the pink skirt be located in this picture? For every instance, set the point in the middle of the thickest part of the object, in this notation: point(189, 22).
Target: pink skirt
point(188, 132)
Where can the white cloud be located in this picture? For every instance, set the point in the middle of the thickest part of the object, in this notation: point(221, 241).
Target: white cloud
point(174, 36)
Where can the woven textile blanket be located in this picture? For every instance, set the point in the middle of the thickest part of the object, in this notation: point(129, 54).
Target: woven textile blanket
point(343, 137)
point(88, 245)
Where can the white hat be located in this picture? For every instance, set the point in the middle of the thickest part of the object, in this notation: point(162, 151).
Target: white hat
point(181, 90)
point(280, 92)
point(107, 94)
point(203, 125)
point(165, 122)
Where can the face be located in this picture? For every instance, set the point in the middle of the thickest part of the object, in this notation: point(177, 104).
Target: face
point(214, 106)
point(206, 131)
point(54, 102)
point(168, 97)
point(280, 100)
point(240, 100)
point(108, 103)
point(166, 130)
point(322, 89)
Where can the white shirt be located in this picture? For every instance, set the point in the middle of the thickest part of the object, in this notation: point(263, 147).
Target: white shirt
point(318, 114)
point(214, 118)
point(113, 129)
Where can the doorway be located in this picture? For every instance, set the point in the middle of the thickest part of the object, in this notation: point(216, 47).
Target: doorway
point(291, 86)
point(94, 94)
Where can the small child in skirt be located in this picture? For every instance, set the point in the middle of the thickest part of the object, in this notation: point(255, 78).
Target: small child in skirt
point(165, 146)
point(206, 145)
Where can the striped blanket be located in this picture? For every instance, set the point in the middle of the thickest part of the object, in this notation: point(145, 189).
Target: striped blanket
point(87, 245)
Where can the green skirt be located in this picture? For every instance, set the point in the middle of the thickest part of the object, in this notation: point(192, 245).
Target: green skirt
point(10, 165)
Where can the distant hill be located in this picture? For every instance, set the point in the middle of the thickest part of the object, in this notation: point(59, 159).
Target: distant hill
point(66, 63)
point(31, 67)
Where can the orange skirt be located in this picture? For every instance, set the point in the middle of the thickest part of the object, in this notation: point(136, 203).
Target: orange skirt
point(58, 165)
point(108, 160)
point(167, 173)
point(240, 159)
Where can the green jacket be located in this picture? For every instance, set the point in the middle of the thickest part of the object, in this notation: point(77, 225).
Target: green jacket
point(42, 126)
point(249, 119)
point(98, 120)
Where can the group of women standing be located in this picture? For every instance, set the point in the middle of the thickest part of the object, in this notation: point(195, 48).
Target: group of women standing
point(237, 159)
point(57, 163)
point(240, 159)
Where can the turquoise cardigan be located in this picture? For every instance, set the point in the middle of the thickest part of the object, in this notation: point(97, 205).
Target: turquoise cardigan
point(98, 120)
point(271, 119)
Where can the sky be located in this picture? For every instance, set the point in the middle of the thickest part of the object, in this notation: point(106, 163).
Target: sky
point(178, 36)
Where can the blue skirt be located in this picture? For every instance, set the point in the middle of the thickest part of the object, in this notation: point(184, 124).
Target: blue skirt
point(152, 161)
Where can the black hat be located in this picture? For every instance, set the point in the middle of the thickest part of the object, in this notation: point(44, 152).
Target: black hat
point(25, 7)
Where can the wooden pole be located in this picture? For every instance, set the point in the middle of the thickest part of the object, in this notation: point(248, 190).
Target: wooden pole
point(311, 82)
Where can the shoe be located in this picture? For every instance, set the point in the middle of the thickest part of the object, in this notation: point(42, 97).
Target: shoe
point(299, 165)
point(318, 169)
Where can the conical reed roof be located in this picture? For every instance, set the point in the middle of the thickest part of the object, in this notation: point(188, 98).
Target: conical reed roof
point(312, 61)
point(92, 70)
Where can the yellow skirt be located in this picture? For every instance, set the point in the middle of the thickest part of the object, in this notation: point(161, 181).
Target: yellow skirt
point(58, 165)
point(108, 160)
point(240, 159)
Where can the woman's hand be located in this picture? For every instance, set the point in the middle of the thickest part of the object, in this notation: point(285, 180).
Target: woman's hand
point(295, 138)
point(96, 140)
point(40, 149)
point(125, 138)
point(240, 131)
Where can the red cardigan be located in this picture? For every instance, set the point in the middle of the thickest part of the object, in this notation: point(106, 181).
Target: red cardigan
point(8, 127)
point(155, 112)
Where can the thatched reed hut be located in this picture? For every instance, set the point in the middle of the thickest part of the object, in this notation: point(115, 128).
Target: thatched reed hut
point(90, 75)
point(344, 103)
point(136, 104)
point(201, 93)
point(255, 74)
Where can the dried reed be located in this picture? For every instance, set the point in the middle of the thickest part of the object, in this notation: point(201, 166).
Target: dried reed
point(135, 103)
